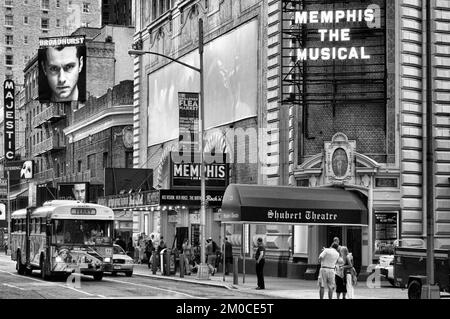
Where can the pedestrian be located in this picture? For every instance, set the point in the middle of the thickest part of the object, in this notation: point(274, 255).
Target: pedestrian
point(148, 251)
point(260, 260)
point(130, 248)
point(339, 277)
point(141, 246)
point(121, 243)
point(187, 253)
point(349, 271)
point(228, 249)
point(336, 240)
point(328, 259)
point(210, 256)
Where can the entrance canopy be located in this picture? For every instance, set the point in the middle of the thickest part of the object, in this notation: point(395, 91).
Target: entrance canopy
point(292, 205)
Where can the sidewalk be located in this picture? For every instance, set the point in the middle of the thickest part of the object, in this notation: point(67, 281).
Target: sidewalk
point(277, 287)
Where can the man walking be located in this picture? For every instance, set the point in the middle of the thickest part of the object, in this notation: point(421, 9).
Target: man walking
point(260, 259)
point(228, 249)
point(328, 259)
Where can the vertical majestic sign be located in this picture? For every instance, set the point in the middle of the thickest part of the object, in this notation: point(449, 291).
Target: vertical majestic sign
point(9, 119)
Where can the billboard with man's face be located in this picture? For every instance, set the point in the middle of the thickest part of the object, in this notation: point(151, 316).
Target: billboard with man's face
point(73, 191)
point(62, 69)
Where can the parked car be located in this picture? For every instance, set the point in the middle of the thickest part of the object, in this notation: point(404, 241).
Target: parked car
point(121, 262)
point(386, 262)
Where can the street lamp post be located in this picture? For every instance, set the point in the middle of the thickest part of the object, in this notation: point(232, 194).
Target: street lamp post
point(203, 271)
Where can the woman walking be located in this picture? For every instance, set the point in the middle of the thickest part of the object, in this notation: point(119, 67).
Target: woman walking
point(348, 269)
point(339, 277)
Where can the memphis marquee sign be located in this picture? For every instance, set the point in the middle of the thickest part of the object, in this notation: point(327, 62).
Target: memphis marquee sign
point(332, 36)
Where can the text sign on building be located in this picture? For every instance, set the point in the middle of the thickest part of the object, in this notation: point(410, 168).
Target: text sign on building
point(186, 174)
point(9, 119)
point(333, 29)
point(189, 197)
point(188, 104)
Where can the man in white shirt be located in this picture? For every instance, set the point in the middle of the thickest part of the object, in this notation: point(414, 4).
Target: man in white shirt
point(328, 259)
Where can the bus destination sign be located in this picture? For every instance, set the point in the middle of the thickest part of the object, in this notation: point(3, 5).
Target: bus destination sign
point(83, 211)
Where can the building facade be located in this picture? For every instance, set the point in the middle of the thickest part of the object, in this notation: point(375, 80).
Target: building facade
point(118, 12)
point(339, 102)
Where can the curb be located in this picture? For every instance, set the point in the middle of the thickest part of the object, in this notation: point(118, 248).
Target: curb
point(198, 282)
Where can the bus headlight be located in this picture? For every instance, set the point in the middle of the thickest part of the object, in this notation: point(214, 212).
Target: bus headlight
point(107, 260)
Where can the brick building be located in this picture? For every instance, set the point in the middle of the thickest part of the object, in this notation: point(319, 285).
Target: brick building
point(353, 121)
point(26, 21)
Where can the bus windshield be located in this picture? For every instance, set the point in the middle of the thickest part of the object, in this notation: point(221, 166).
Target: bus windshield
point(82, 232)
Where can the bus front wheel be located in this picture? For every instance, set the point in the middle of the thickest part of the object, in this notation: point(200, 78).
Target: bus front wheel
point(98, 276)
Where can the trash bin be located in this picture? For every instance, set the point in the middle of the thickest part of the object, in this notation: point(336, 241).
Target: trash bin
point(167, 257)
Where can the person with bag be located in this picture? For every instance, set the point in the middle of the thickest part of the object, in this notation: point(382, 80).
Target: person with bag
point(349, 272)
point(187, 252)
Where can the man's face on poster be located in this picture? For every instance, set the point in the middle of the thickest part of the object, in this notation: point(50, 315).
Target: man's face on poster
point(79, 192)
point(62, 68)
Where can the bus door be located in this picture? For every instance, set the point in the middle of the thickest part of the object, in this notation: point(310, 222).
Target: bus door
point(27, 235)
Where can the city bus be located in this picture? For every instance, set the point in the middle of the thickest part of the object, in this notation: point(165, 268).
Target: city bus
point(62, 237)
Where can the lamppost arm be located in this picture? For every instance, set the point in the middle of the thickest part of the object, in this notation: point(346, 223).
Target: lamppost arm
point(140, 52)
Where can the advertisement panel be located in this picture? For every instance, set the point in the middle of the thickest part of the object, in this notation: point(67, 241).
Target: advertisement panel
point(122, 180)
point(62, 69)
point(188, 104)
point(73, 191)
point(231, 75)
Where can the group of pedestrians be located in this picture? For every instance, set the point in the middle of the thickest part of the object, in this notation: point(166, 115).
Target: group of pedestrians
point(336, 271)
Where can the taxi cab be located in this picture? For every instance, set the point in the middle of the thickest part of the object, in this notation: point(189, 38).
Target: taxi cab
point(121, 262)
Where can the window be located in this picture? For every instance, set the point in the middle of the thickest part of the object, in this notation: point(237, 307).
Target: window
point(129, 159)
point(69, 6)
point(58, 23)
point(25, 1)
point(58, 3)
point(25, 39)
point(9, 59)
point(91, 164)
point(25, 20)
point(8, 2)
point(9, 20)
point(79, 166)
point(9, 39)
point(85, 7)
point(45, 23)
point(105, 159)
point(45, 4)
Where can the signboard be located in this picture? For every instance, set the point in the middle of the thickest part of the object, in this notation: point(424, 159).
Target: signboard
point(27, 170)
point(2, 211)
point(122, 180)
point(9, 120)
point(386, 231)
point(189, 197)
point(188, 108)
point(185, 173)
point(73, 191)
point(130, 200)
point(62, 69)
point(295, 216)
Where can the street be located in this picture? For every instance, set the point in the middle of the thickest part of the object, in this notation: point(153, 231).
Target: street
point(14, 286)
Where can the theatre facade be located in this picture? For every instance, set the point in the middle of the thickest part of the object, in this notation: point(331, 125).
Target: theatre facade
point(330, 97)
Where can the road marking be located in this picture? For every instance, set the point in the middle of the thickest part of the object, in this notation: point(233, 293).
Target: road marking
point(154, 287)
point(52, 284)
point(12, 286)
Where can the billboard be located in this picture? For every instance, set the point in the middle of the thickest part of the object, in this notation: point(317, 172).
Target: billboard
point(122, 180)
point(9, 119)
point(27, 170)
point(73, 191)
point(62, 69)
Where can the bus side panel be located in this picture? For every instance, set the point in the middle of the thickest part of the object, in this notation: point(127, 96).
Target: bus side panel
point(37, 244)
point(18, 243)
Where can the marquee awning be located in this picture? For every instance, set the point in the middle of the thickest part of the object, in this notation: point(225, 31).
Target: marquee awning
point(292, 205)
